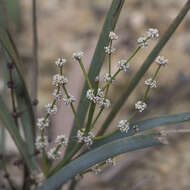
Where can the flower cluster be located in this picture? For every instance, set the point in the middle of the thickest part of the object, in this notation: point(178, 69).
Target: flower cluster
point(60, 62)
point(152, 33)
point(110, 161)
point(57, 94)
point(69, 100)
point(96, 169)
point(41, 142)
point(54, 154)
point(113, 36)
point(140, 106)
point(42, 123)
point(109, 50)
point(123, 126)
point(151, 83)
point(99, 98)
point(123, 65)
point(59, 80)
point(77, 56)
point(161, 60)
point(61, 140)
point(108, 78)
point(51, 109)
point(88, 139)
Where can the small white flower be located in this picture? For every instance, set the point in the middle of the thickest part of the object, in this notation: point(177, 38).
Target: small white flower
point(110, 161)
point(96, 169)
point(77, 56)
point(69, 100)
point(41, 142)
point(153, 33)
point(108, 78)
point(123, 66)
point(42, 123)
point(113, 36)
point(61, 140)
point(90, 94)
point(151, 83)
point(88, 139)
point(161, 60)
point(109, 50)
point(54, 154)
point(60, 62)
point(141, 106)
point(52, 110)
point(142, 41)
point(59, 80)
point(123, 126)
point(57, 94)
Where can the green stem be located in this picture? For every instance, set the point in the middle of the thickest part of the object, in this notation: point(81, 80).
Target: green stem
point(85, 73)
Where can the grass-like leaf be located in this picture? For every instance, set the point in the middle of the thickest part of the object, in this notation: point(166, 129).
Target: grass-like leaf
point(9, 123)
point(147, 63)
point(146, 125)
point(97, 62)
point(24, 103)
point(100, 154)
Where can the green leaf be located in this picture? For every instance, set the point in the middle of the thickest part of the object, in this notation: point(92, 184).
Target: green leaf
point(22, 95)
point(100, 154)
point(10, 10)
point(97, 62)
point(146, 125)
point(147, 63)
point(9, 123)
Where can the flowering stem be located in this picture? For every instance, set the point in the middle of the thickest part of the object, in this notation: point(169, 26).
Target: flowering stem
point(109, 59)
point(85, 73)
point(118, 71)
point(72, 108)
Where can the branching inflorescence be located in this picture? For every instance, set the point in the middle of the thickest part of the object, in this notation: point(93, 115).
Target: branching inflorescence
point(96, 95)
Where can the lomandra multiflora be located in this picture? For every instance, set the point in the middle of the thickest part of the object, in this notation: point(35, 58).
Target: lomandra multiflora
point(98, 97)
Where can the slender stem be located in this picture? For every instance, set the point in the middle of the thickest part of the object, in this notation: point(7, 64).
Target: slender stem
point(35, 50)
point(85, 73)
point(72, 107)
point(109, 58)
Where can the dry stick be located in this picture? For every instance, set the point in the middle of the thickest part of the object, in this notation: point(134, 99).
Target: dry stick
point(35, 53)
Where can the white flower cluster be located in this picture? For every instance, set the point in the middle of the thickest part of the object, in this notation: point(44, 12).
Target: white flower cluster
point(57, 94)
point(161, 60)
point(69, 100)
point(108, 78)
point(109, 50)
point(41, 142)
point(110, 161)
point(52, 110)
point(59, 80)
point(96, 169)
point(152, 33)
point(99, 98)
point(77, 56)
point(61, 140)
point(123, 66)
point(88, 139)
point(54, 154)
point(60, 62)
point(113, 36)
point(42, 123)
point(151, 83)
point(140, 106)
point(142, 41)
point(123, 126)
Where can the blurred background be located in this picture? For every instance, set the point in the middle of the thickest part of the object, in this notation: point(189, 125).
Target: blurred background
point(65, 26)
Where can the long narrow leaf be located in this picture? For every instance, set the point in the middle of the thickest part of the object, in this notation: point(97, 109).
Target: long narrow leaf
point(147, 63)
point(22, 95)
point(100, 154)
point(9, 123)
point(97, 61)
point(146, 125)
